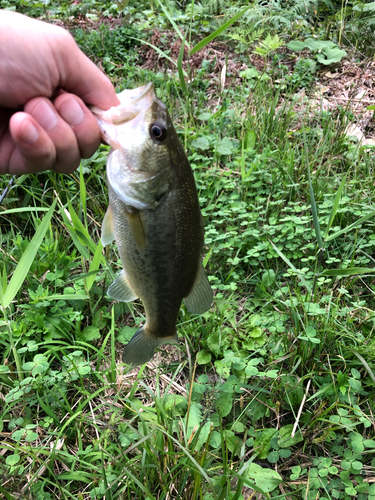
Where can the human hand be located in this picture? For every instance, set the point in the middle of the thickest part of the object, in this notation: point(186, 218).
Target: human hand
point(45, 84)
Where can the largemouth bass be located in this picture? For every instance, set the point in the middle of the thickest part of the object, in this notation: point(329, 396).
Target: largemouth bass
point(154, 218)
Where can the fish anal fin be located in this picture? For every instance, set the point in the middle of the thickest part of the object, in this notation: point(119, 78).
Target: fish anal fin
point(142, 346)
point(121, 290)
point(107, 228)
point(199, 299)
point(136, 226)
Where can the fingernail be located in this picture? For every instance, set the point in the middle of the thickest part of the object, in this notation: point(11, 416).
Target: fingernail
point(72, 112)
point(29, 133)
point(45, 115)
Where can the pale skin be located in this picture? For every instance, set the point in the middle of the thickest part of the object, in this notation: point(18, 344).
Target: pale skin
point(46, 87)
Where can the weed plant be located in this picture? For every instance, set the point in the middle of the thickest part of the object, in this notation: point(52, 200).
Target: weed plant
point(270, 392)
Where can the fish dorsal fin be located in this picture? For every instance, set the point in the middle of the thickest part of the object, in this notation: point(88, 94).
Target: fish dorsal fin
point(121, 290)
point(199, 299)
point(107, 228)
point(136, 226)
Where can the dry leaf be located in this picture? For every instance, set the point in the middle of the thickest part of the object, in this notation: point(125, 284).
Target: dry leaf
point(354, 131)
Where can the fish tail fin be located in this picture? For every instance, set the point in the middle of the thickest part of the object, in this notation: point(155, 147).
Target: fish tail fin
point(141, 347)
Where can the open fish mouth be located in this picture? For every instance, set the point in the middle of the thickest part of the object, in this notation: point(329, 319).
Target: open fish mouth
point(120, 124)
point(133, 102)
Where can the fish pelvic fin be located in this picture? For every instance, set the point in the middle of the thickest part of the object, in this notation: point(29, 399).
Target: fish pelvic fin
point(199, 299)
point(107, 228)
point(121, 290)
point(142, 346)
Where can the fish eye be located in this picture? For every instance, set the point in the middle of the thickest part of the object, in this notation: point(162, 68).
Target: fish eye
point(158, 132)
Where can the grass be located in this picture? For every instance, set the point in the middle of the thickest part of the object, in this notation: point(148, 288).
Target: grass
point(269, 394)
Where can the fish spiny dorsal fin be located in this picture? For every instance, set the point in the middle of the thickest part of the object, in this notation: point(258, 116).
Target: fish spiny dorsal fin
point(199, 299)
point(107, 228)
point(121, 290)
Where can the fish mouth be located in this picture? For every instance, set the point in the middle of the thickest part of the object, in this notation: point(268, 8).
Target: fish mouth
point(136, 95)
point(133, 102)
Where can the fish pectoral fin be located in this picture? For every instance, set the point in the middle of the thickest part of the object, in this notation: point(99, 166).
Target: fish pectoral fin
point(199, 299)
point(136, 226)
point(121, 290)
point(142, 346)
point(107, 228)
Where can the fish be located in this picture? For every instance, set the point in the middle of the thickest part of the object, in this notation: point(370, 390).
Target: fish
point(154, 218)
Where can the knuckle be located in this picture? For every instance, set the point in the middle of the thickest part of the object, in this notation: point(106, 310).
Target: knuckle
point(88, 149)
point(66, 167)
point(45, 158)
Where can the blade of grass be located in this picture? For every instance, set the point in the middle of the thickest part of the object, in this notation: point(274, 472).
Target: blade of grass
point(27, 259)
point(80, 247)
point(6, 494)
point(179, 67)
point(351, 271)
point(19, 276)
point(81, 237)
point(172, 22)
point(80, 229)
point(287, 261)
point(335, 206)
point(314, 210)
point(159, 51)
point(94, 266)
point(248, 140)
point(107, 491)
point(113, 348)
point(3, 283)
point(144, 489)
point(85, 477)
point(83, 276)
point(83, 193)
point(351, 226)
point(242, 162)
point(24, 209)
point(191, 19)
point(191, 458)
point(365, 364)
point(66, 296)
point(218, 32)
point(207, 257)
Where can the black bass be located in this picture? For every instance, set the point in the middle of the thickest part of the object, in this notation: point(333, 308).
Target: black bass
point(154, 218)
